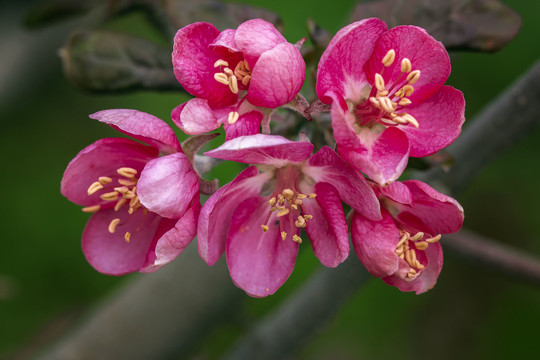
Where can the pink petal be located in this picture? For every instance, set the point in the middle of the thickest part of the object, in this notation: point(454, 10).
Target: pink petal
point(440, 117)
point(195, 117)
point(441, 214)
point(247, 124)
point(425, 53)
point(256, 36)
point(375, 243)
point(428, 276)
point(141, 126)
point(167, 185)
point(343, 122)
point(263, 149)
point(259, 262)
point(341, 65)
point(327, 231)
point(326, 166)
point(102, 158)
point(193, 63)
point(382, 157)
point(110, 253)
point(172, 237)
point(217, 211)
point(397, 191)
point(278, 77)
point(225, 42)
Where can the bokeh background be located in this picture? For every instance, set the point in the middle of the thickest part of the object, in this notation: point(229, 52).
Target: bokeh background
point(46, 286)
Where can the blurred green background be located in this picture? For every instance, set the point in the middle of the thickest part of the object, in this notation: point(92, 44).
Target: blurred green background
point(46, 285)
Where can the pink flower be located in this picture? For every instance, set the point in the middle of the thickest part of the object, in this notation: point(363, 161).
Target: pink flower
point(258, 216)
point(233, 73)
point(145, 207)
point(403, 248)
point(388, 98)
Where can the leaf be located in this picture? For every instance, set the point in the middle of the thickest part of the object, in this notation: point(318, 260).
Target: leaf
point(104, 60)
point(480, 25)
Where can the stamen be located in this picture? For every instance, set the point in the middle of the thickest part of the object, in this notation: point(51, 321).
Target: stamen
point(91, 209)
point(283, 212)
point(297, 238)
point(105, 180)
point(121, 189)
point(127, 182)
point(406, 65)
point(413, 77)
point(434, 239)
point(417, 236)
point(288, 193)
point(127, 172)
point(233, 117)
point(308, 217)
point(264, 228)
point(379, 82)
point(418, 265)
point(283, 235)
point(96, 186)
point(388, 59)
point(312, 196)
point(375, 101)
point(112, 225)
point(402, 240)
point(382, 93)
point(110, 196)
point(412, 120)
point(233, 84)
point(272, 201)
point(221, 62)
point(228, 72)
point(294, 206)
point(127, 236)
point(408, 90)
point(119, 204)
point(301, 222)
point(422, 245)
point(221, 78)
point(246, 65)
point(404, 102)
point(301, 196)
point(246, 79)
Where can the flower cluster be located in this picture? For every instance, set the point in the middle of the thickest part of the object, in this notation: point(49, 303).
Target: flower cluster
point(387, 100)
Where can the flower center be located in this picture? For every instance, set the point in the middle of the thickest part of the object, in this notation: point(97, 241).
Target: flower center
point(408, 246)
point(125, 193)
point(240, 76)
point(387, 102)
point(287, 205)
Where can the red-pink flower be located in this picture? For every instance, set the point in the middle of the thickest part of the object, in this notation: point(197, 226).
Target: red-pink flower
point(388, 98)
point(145, 207)
point(234, 73)
point(258, 216)
point(403, 248)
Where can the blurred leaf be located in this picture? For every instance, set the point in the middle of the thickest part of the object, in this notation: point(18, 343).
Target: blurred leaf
point(47, 12)
point(104, 60)
point(481, 25)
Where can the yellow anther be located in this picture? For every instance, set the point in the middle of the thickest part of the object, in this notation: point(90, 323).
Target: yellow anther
point(388, 121)
point(418, 265)
point(294, 206)
point(105, 180)
point(221, 62)
point(404, 102)
point(282, 212)
point(113, 195)
point(283, 235)
point(297, 202)
point(91, 209)
point(233, 84)
point(375, 101)
point(221, 78)
point(382, 93)
point(297, 239)
point(417, 236)
point(301, 222)
point(281, 199)
point(312, 196)
point(246, 65)
point(402, 240)
point(408, 90)
point(233, 117)
point(421, 245)
point(408, 257)
point(287, 193)
point(406, 65)
point(127, 236)
point(388, 59)
point(413, 77)
point(410, 119)
point(387, 105)
point(273, 208)
point(127, 182)
point(399, 250)
point(112, 225)
point(434, 239)
point(121, 189)
point(272, 201)
point(379, 82)
point(228, 72)
point(264, 228)
point(308, 217)
point(246, 79)
point(94, 187)
point(127, 172)
point(129, 195)
point(119, 204)
point(301, 196)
